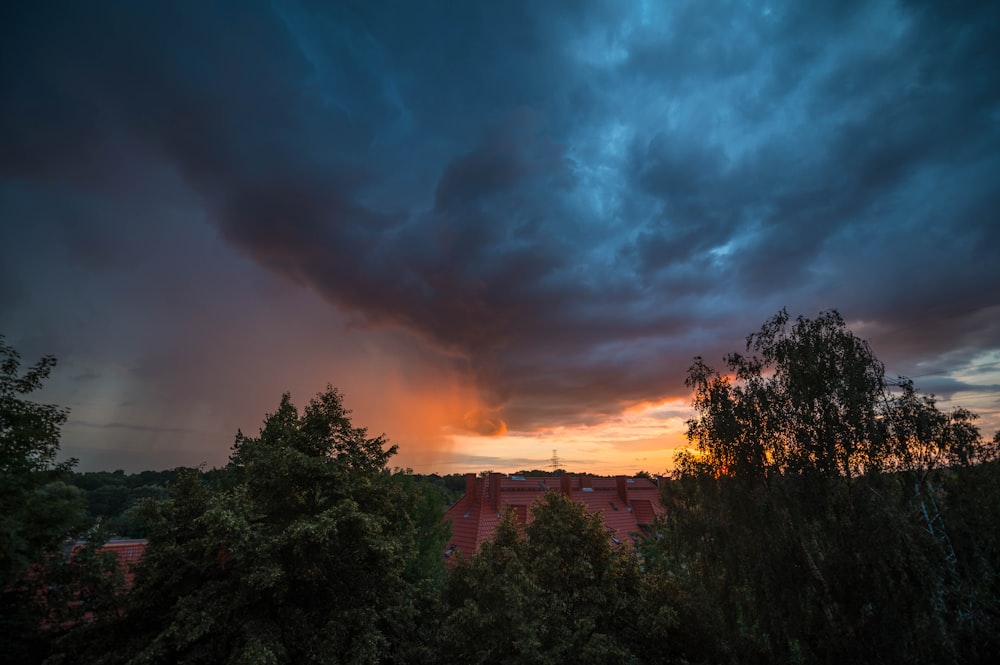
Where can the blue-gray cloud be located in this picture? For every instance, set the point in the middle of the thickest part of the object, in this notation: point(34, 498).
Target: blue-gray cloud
point(567, 199)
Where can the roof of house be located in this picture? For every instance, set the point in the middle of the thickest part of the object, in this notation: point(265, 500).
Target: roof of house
point(128, 551)
point(626, 504)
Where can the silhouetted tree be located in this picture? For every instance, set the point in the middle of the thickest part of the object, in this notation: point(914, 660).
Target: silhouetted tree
point(306, 556)
point(558, 590)
point(802, 518)
point(38, 510)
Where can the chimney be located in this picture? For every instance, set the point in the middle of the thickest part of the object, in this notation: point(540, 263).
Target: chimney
point(584, 481)
point(470, 489)
point(495, 491)
point(621, 483)
point(565, 483)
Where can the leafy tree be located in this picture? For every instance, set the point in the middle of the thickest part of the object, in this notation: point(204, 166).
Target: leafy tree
point(558, 591)
point(490, 600)
point(450, 488)
point(35, 514)
point(589, 583)
point(963, 510)
point(82, 587)
point(111, 497)
point(426, 507)
point(303, 556)
point(807, 402)
point(785, 523)
point(38, 510)
point(928, 439)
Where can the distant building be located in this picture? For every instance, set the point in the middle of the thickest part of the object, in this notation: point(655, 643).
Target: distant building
point(128, 550)
point(628, 505)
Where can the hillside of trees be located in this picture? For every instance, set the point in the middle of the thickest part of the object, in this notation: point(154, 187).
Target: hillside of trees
point(821, 513)
point(114, 499)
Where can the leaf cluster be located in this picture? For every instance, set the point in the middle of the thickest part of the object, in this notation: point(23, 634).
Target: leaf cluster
point(552, 591)
point(819, 515)
point(309, 551)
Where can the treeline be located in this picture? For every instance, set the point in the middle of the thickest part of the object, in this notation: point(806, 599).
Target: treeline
point(114, 499)
point(826, 514)
point(821, 513)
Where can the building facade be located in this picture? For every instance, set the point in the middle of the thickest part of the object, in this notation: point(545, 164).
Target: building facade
point(628, 505)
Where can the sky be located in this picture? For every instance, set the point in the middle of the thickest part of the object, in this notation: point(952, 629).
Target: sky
point(501, 229)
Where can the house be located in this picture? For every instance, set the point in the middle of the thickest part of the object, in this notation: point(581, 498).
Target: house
point(628, 505)
point(128, 551)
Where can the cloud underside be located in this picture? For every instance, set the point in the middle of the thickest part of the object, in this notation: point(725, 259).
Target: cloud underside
point(564, 208)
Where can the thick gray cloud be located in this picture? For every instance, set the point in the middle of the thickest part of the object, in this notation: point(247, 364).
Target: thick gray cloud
point(565, 200)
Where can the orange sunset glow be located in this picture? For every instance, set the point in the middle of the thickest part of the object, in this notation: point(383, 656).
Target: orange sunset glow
point(489, 331)
point(496, 232)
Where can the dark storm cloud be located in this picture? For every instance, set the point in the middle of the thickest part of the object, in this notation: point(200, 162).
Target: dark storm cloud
point(130, 427)
point(569, 201)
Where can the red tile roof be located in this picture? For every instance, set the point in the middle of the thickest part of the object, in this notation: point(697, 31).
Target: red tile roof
point(626, 504)
point(644, 511)
point(128, 551)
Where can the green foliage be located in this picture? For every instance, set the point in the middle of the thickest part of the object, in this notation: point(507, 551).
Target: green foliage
point(824, 514)
point(29, 432)
point(308, 552)
point(112, 497)
point(36, 510)
point(807, 402)
point(450, 488)
point(42, 589)
point(427, 505)
point(589, 585)
point(813, 520)
point(84, 586)
point(558, 591)
point(490, 600)
point(927, 439)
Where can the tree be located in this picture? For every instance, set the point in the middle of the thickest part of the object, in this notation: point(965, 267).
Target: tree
point(304, 555)
point(426, 506)
point(491, 613)
point(808, 519)
point(589, 583)
point(807, 402)
point(38, 510)
point(35, 514)
point(556, 591)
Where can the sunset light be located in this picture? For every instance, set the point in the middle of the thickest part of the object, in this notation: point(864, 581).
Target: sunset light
point(495, 231)
point(496, 331)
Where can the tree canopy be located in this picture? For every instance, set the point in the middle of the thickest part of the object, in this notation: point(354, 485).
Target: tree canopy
point(555, 591)
point(36, 510)
point(306, 556)
point(41, 515)
point(813, 515)
point(823, 513)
